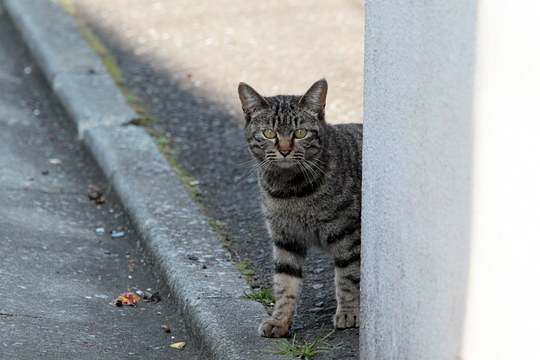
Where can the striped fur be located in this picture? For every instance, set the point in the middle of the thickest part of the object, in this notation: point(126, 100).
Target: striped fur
point(310, 182)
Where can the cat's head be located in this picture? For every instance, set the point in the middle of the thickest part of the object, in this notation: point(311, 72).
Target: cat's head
point(285, 130)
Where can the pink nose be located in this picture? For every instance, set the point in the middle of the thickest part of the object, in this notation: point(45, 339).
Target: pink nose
point(285, 152)
point(285, 148)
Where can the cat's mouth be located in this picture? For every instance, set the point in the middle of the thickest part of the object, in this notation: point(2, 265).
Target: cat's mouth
point(286, 163)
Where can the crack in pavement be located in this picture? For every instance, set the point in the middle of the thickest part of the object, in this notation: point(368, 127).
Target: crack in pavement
point(42, 191)
point(8, 315)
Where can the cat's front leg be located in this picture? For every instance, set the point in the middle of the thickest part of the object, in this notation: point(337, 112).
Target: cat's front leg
point(347, 278)
point(288, 261)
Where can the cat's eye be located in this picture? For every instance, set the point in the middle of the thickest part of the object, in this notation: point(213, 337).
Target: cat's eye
point(269, 134)
point(300, 133)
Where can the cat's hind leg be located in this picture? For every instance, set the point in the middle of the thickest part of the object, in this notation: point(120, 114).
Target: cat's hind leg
point(348, 296)
point(288, 261)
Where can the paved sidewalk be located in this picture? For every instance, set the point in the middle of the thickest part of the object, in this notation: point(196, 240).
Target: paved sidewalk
point(58, 275)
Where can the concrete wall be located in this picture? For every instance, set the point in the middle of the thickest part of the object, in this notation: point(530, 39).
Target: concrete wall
point(451, 199)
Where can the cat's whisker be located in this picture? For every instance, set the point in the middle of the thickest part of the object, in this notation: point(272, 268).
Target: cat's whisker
point(241, 158)
point(244, 178)
point(241, 147)
point(243, 163)
point(304, 170)
point(312, 177)
point(317, 163)
point(316, 170)
point(309, 171)
point(258, 166)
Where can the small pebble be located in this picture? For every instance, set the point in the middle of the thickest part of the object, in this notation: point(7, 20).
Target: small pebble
point(166, 328)
point(117, 234)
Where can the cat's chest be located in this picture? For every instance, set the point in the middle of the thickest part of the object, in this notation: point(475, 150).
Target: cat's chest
point(298, 219)
point(292, 211)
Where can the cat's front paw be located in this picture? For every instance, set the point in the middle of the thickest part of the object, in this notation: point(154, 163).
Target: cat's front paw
point(346, 319)
point(274, 328)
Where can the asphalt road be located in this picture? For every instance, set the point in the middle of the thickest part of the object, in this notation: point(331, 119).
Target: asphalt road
point(185, 59)
point(58, 275)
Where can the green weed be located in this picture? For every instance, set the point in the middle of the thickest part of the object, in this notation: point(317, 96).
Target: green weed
point(305, 350)
point(262, 295)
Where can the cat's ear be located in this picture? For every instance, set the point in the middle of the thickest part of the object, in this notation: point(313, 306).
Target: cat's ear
point(315, 97)
point(251, 100)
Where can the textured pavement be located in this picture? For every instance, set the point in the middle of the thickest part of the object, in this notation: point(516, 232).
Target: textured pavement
point(58, 276)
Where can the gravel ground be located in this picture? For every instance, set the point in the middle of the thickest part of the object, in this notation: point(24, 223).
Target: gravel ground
point(184, 60)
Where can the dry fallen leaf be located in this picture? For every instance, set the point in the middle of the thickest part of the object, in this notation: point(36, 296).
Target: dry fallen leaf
point(127, 299)
point(179, 345)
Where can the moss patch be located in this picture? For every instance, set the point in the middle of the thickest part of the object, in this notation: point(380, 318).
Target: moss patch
point(108, 60)
point(189, 181)
point(247, 270)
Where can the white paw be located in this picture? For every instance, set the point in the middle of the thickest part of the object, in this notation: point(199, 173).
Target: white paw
point(274, 328)
point(346, 319)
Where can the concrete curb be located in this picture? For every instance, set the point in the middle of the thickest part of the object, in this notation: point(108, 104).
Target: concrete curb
point(197, 268)
point(74, 71)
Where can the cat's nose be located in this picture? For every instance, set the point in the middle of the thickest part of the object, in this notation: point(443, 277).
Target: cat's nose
point(285, 147)
point(284, 152)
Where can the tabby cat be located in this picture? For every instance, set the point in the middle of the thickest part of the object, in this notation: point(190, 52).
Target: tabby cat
point(309, 175)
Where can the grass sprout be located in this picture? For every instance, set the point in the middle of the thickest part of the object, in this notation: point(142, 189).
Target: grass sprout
point(262, 295)
point(306, 350)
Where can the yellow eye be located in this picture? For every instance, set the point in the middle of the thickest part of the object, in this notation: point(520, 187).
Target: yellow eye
point(269, 134)
point(300, 133)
